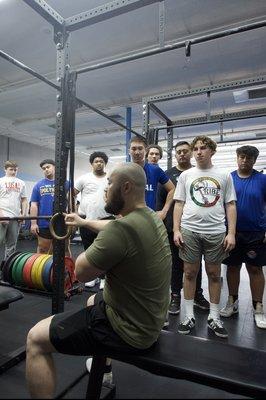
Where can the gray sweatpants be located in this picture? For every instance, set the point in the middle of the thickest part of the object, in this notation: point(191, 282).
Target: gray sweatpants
point(9, 237)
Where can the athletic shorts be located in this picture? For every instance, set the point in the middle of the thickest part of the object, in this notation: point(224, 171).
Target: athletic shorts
point(45, 233)
point(197, 245)
point(86, 332)
point(249, 249)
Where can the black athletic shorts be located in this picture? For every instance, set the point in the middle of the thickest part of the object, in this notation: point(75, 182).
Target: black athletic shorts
point(249, 249)
point(45, 233)
point(86, 332)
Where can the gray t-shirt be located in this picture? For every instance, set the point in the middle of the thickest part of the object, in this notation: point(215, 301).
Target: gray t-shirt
point(205, 192)
point(135, 252)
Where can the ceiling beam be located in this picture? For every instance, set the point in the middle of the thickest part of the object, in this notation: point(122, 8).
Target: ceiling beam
point(173, 46)
point(216, 87)
point(217, 118)
point(31, 71)
point(46, 11)
point(104, 12)
point(159, 113)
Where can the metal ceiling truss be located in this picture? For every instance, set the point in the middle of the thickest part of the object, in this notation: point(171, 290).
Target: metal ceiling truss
point(148, 105)
point(217, 87)
point(104, 12)
point(216, 118)
point(46, 11)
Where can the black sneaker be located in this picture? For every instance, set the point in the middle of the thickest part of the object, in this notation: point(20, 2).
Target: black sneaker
point(216, 326)
point(174, 306)
point(201, 302)
point(185, 327)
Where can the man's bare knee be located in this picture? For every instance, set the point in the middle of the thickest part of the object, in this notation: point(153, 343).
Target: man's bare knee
point(38, 340)
point(33, 342)
point(190, 275)
point(214, 278)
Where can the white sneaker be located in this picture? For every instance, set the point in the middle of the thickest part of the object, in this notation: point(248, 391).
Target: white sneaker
point(107, 376)
point(92, 283)
point(230, 308)
point(259, 316)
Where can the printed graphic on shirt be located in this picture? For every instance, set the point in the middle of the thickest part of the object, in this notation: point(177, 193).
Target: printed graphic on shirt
point(149, 188)
point(205, 191)
point(47, 190)
point(13, 187)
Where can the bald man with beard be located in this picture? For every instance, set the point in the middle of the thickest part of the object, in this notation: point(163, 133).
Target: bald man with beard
point(134, 253)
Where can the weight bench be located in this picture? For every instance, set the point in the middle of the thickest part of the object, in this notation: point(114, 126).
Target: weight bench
point(217, 364)
point(8, 295)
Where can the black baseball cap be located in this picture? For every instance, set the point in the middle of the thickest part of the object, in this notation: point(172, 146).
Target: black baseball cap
point(47, 161)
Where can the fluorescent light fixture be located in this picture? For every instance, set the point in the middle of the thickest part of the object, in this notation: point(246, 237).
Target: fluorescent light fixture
point(240, 96)
point(116, 157)
point(253, 93)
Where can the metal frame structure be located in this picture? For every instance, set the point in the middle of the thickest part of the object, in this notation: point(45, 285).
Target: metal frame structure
point(66, 107)
point(148, 105)
point(67, 102)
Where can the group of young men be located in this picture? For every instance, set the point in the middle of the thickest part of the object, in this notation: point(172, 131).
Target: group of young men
point(208, 213)
point(222, 217)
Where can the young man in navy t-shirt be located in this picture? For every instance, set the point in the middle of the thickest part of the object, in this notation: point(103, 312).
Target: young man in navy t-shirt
point(250, 186)
point(154, 175)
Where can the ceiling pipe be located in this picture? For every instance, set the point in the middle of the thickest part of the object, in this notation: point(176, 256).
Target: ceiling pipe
point(174, 46)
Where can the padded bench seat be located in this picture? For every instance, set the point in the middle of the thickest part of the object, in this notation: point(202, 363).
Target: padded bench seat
point(212, 363)
point(8, 295)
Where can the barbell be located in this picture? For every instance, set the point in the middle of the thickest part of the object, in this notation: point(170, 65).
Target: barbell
point(52, 218)
point(26, 218)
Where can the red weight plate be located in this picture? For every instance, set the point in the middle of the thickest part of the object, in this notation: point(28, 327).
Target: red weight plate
point(27, 270)
point(69, 274)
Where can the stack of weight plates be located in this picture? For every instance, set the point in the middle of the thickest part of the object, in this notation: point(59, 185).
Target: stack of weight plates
point(35, 271)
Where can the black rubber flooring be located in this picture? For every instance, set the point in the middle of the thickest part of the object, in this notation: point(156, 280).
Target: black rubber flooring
point(130, 381)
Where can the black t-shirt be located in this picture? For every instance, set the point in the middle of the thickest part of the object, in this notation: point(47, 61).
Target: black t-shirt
point(173, 174)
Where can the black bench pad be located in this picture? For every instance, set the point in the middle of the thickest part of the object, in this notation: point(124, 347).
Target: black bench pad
point(8, 295)
point(209, 362)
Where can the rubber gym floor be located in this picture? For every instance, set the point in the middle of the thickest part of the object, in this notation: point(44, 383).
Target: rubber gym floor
point(130, 381)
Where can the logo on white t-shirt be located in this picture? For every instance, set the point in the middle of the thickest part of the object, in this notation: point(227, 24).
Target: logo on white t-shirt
point(205, 191)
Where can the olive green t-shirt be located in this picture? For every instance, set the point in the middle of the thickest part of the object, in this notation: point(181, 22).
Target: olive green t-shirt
point(135, 253)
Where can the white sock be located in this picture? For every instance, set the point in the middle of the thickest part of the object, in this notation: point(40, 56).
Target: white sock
point(214, 311)
point(189, 308)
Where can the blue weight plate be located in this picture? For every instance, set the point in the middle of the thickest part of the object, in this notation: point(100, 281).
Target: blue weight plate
point(46, 272)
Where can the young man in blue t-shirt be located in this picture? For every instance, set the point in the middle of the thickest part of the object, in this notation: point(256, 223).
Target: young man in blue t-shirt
point(154, 175)
point(250, 186)
point(42, 203)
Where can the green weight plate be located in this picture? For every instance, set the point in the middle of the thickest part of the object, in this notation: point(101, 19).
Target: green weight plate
point(7, 268)
point(19, 269)
point(14, 268)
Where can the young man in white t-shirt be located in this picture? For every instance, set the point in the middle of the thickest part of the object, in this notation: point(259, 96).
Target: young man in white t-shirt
point(91, 187)
point(204, 196)
point(13, 203)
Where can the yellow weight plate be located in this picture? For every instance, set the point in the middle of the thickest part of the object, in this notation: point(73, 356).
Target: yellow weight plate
point(34, 270)
point(39, 269)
